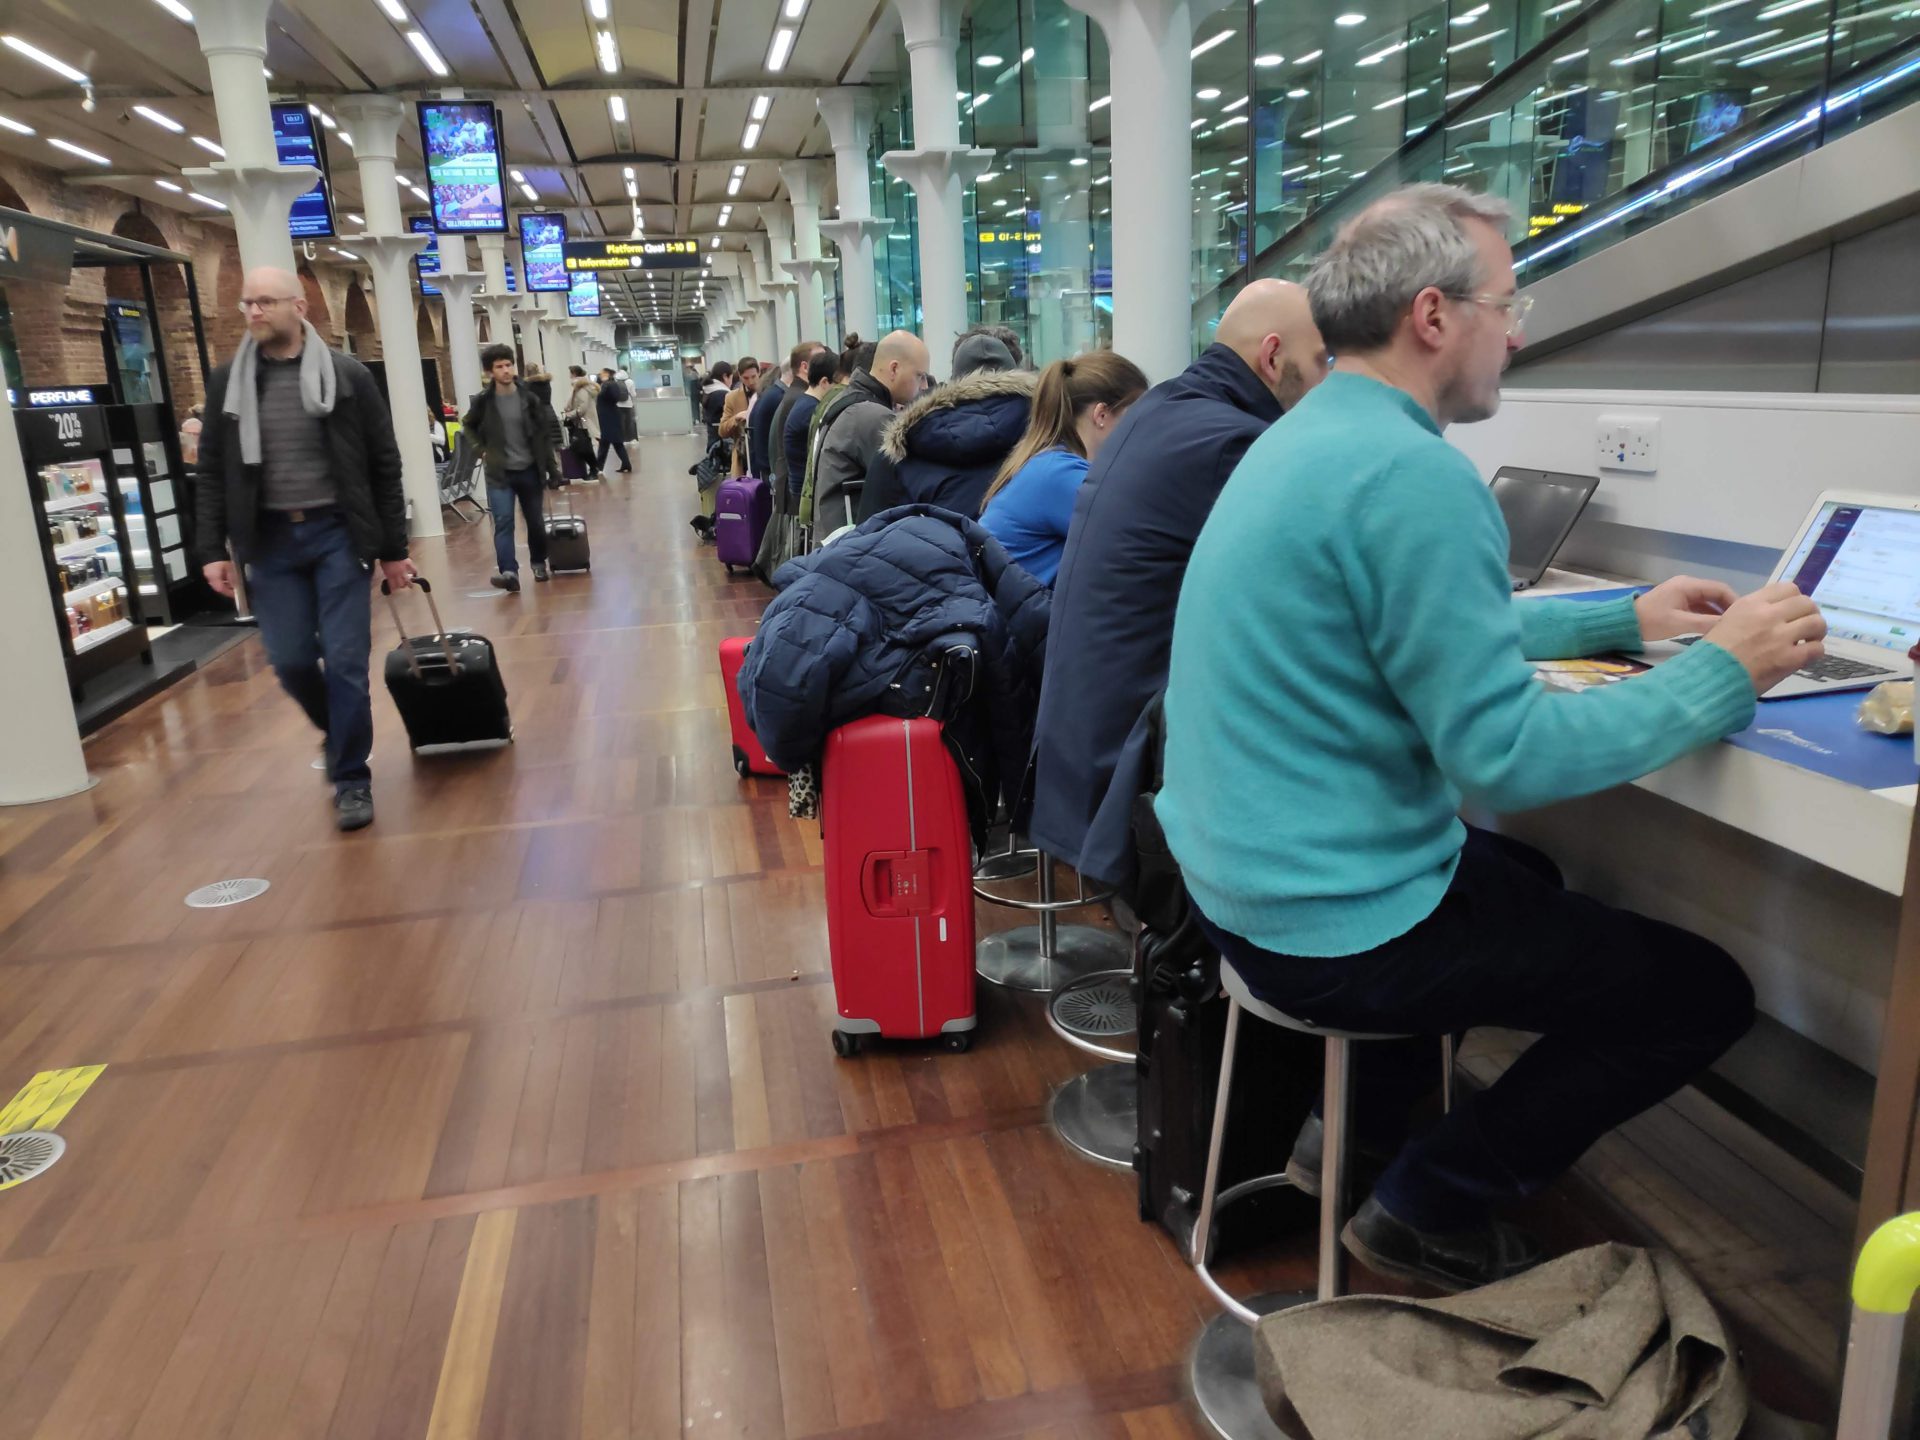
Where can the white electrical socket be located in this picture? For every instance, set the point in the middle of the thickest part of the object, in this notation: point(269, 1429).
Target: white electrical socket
point(1628, 442)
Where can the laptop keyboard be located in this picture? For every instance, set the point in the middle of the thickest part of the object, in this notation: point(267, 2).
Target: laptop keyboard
point(1827, 667)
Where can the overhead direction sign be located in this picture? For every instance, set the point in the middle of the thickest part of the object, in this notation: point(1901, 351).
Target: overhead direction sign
point(603, 254)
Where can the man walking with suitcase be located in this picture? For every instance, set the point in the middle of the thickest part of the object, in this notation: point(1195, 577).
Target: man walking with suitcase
point(299, 470)
point(513, 428)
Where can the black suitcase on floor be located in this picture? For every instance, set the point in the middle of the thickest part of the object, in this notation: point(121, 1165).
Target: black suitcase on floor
point(567, 547)
point(447, 687)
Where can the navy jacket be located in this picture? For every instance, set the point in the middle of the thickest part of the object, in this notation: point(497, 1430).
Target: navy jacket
point(760, 426)
point(848, 636)
point(1141, 508)
point(946, 447)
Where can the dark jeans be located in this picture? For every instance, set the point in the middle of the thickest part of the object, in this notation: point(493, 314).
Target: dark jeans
point(1627, 1010)
point(522, 486)
point(312, 596)
point(610, 436)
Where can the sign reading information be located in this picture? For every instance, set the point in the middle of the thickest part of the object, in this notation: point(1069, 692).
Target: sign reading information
point(606, 253)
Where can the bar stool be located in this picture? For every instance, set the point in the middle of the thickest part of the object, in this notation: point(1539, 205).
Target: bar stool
point(1222, 1368)
point(1098, 1111)
point(1038, 958)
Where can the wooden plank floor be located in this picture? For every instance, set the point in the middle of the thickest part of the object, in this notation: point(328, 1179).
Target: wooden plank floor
point(515, 1116)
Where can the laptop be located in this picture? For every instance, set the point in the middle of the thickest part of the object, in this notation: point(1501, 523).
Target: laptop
point(1858, 555)
point(1540, 507)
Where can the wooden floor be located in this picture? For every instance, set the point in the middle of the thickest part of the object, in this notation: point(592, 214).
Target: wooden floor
point(514, 1116)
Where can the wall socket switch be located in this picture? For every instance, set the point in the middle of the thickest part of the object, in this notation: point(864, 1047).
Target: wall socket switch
point(1628, 442)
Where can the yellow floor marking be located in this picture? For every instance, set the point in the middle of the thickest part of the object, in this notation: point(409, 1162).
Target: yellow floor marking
point(45, 1099)
point(476, 1316)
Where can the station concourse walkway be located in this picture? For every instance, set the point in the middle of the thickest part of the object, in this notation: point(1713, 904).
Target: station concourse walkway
point(515, 1116)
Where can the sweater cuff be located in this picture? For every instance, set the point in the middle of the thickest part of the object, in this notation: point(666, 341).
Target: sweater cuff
point(1713, 687)
point(1603, 625)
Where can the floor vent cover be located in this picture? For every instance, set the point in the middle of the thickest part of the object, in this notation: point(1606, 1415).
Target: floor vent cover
point(27, 1154)
point(226, 892)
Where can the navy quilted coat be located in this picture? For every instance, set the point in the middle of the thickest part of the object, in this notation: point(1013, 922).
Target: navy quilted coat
point(847, 637)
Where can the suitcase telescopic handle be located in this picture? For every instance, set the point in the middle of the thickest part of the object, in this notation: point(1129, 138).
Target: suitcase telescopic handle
point(440, 630)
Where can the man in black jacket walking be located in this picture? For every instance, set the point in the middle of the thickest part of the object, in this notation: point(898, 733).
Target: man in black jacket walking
point(613, 425)
point(299, 471)
point(517, 433)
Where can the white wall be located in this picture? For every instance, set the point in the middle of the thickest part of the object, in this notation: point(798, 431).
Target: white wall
point(1737, 471)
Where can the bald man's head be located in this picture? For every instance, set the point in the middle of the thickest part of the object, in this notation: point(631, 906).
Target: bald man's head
point(900, 364)
point(275, 308)
point(1270, 326)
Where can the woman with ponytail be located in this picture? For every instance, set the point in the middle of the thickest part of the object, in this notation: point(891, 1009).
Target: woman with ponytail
point(1075, 407)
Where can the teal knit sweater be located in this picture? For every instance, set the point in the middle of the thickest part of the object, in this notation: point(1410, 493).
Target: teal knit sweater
point(1349, 663)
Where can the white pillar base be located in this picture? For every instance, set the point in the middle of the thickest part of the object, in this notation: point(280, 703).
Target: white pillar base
point(391, 257)
point(936, 174)
point(854, 235)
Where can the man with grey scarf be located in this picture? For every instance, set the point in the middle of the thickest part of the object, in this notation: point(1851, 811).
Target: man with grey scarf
point(299, 471)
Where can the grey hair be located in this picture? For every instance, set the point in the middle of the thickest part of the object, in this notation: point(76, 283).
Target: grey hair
point(1411, 239)
point(1002, 333)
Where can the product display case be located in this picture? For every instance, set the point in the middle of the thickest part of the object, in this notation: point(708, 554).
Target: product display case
point(154, 493)
point(81, 513)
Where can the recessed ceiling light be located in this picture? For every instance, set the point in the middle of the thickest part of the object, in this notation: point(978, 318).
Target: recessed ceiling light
point(761, 105)
point(423, 47)
point(15, 126)
point(1297, 94)
point(1210, 42)
point(1100, 104)
point(36, 54)
point(168, 185)
point(358, 219)
point(988, 61)
point(205, 199)
point(177, 10)
point(751, 136)
point(1350, 19)
point(1078, 160)
point(608, 49)
point(165, 122)
point(1207, 94)
point(617, 108)
point(1309, 57)
point(396, 11)
point(209, 146)
point(781, 48)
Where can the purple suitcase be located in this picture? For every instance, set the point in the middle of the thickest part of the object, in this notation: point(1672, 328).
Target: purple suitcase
point(740, 514)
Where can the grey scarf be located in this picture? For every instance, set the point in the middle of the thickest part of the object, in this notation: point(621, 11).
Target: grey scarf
point(317, 387)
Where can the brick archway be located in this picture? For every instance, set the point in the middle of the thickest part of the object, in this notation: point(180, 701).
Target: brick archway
point(359, 323)
point(173, 317)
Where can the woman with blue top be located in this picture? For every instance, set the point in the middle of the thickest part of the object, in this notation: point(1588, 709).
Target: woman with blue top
point(1075, 408)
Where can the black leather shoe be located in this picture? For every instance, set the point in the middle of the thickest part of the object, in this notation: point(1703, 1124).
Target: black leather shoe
point(353, 809)
point(540, 571)
point(506, 580)
point(1365, 1166)
point(1464, 1261)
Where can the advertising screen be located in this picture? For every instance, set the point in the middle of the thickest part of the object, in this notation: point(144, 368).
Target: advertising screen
point(427, 262)
point(584, 296)
point(298, 142)
point(461, 140)
point(542, 246)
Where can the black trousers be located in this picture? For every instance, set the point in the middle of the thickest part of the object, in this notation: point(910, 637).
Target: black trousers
point(610, 437)
point(1627, 1010)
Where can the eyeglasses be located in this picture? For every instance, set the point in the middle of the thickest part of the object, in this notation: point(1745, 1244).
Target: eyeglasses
point(264, 302)
point(1516, 307)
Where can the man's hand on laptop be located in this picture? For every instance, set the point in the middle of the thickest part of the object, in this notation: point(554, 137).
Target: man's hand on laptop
point(1773, 632)
point(1682, 606)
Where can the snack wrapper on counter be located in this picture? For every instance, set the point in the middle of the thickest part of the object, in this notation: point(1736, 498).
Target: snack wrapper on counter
point(1888, 708)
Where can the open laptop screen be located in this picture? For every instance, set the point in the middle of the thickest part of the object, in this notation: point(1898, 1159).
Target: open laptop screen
point(1862, 563)
point(1540, 507)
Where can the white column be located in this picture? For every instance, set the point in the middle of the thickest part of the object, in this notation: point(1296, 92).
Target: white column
point(530, 312)
point(461, 287)
point(493, 266)
point(849, 116)
point(389, 249)
point(805, 180)
point(41, 759)
point(251, 182)
point(1149, 44)
point(779, 291)
point(556, 345)
point(938, 167)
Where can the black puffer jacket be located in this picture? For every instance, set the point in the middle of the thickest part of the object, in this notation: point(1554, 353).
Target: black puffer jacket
point(848, 636)
point(946, 447)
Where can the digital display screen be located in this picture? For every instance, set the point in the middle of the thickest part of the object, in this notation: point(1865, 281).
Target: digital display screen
point(583, 298)
point(297, 141)
point(461, 140)
point(623, 253)
point(512, 284)
point(1862, 563)
point(543, 240)
point(427, 262)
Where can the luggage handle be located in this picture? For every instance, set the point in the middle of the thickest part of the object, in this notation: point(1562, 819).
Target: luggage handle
point(564, 491)
point(446, 641)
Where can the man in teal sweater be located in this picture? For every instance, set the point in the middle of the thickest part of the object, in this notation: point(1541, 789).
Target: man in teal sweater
point(1348, 665)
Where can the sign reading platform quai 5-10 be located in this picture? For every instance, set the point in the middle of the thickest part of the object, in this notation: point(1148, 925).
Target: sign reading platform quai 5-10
point(606, 254)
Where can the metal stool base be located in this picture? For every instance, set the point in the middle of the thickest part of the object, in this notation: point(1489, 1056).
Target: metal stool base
point(1098, 1114)
point(1222, 1373)
point(1007, 865)
point(1012, 958)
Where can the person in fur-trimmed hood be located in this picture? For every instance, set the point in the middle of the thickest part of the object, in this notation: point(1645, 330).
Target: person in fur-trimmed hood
point(946, 447)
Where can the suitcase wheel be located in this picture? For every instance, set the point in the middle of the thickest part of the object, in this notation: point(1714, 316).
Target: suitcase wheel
point(743, 769)
point(960, 1041)
point(844, 1045)
point(729, 572)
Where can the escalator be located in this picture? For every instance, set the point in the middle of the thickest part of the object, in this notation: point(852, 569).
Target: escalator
point(1626, 115)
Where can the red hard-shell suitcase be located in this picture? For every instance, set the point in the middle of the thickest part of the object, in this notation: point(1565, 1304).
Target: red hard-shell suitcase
point(748, 757)
point(899, 868)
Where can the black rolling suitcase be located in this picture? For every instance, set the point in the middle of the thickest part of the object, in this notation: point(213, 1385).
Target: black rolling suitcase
point(567, 547)
point(447, 687)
